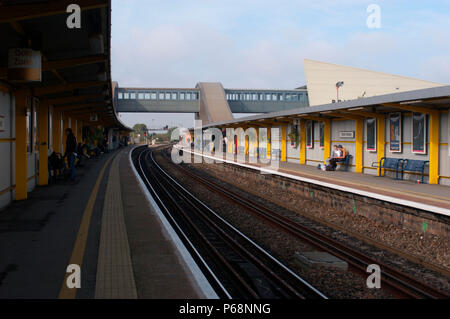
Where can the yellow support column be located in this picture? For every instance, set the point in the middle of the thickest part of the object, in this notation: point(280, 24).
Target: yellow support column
point(43, 145)
point(245, 144)
point(257, 142)
point(302, 142)
point(57, 131)
point(21, 146)
point(380, 141)
point(283, 143)
point(359, 146)
point(434, 148)
point(326, 139)
point(268, 141)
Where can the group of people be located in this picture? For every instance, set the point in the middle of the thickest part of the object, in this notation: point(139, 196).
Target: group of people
point(76, 154)
point(338, 154)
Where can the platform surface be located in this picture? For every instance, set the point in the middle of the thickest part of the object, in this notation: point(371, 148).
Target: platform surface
point(104, 224)
point(418, 195)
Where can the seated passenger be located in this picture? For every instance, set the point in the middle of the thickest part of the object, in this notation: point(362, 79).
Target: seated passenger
point(341, 158)
point(334, 154)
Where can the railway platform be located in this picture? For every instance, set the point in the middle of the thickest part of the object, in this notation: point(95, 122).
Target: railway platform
point(434, 198)
point(105, 225)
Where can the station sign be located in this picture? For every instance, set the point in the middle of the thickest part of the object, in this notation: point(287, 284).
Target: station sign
point(347, 134)
point(24, 65)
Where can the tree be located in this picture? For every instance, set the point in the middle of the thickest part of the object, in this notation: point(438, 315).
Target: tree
point(140, 129)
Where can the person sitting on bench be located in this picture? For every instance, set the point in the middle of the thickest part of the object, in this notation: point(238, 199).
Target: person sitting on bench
point(341, 158)
point(334, 154)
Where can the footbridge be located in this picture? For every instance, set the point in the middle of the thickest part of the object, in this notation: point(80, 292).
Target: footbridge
point(210, 101)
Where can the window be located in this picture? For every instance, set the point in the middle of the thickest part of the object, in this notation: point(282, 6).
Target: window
point(133, 96)
point(280, 96)
point(268, 97)
point(120, 96)
point(242, 97)
point(147, 96)
point(188, 96)
point(181, 96)
point(371, 128)
point(126, 96)
point(174, 96)
point(274, 97)
point(255, 97)
point(140, 96)
point(395, 132)
point(310, 134)
point(288, 97)
point(322, 135)
point(161, 96)
point(261, 97)
point(167, 96)
point(419, 133)
point(153, 96)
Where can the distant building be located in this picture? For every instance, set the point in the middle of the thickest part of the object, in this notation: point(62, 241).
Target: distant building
point(321, 79)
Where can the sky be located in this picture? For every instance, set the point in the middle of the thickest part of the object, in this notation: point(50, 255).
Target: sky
point(262, 44)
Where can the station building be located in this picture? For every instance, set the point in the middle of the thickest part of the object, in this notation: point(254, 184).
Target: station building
point(52, 77)
point(373, 115)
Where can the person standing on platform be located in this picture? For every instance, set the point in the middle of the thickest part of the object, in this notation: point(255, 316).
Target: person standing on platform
point(70, 153)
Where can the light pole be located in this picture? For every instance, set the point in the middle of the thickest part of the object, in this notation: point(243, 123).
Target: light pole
point(338, 85)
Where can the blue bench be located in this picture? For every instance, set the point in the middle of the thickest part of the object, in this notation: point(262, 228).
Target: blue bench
point(390, 163)
point(410, 165)
point(346, 161)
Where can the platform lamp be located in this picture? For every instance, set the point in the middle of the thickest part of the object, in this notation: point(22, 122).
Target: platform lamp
point(338, 85)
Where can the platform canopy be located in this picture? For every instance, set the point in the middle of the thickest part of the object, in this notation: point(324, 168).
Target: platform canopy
point(75, 62)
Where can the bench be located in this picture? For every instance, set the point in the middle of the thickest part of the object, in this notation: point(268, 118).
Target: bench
point(346, 161)
point(410, 165)
point(390, 163)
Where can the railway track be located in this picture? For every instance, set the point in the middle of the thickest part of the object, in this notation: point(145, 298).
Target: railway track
point(399, 283)
point(235, 266)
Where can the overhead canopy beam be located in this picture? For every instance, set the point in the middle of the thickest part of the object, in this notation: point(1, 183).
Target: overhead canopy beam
point(71, 99)
point(80, 107)
point(345, 115)
point(11, 13)
point(68, 63)
point(39, 91)
point(365, 114)
point(410, 108)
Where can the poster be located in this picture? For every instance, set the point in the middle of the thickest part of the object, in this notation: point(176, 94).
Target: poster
point(419, 133)
point(395, 132)
point(371, 127)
